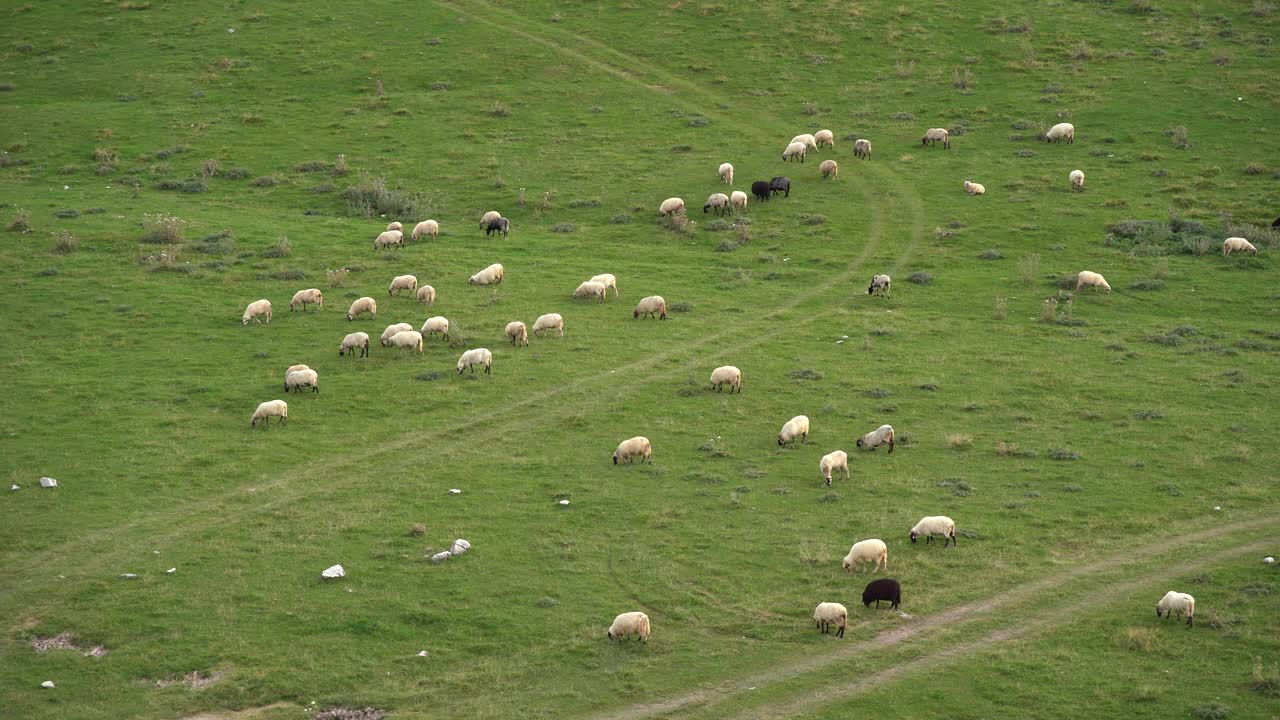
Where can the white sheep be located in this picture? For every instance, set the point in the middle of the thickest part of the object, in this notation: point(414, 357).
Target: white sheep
point(517, 333)
point(488, 218)
point(296, 368)
point(935, 525)
point(738, 200)
point(299, 379)
point(652, 305)
point(974, 188)
point(671, 206)
point(256, 309)
point(877, 437)
point(879, 285)
point(356, 341)
point(478, 356)
point(437, 325)
point(268, 410)
point(591, 289)
point(726, 173)
point(636, 447)
point(829, 168)
point(385, 340)
point(810, 142)
point(491, 275)
point(311, 296)
point(795, 150)
point(872, 551)
point(628, 624)
point(726, 375)
point(550, 321)
point(862, 149)
point(1232, 244)
point(933, 136)
point(361, 306)
point(1077, 180)
point(411, 339)
point(388, 239)
point(1091, 279)
point(1060, 132)
point(403, 282)
point(797, 426)
point(425, 228)
point(828, 614)
point(426, 295)
point(1175, 602)
point(607, 280)
point(393, 225)
point(835, 461)
point(718, 202)
point(824, 138)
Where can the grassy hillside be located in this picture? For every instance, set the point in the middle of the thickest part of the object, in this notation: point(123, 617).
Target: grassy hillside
point(1081, 441)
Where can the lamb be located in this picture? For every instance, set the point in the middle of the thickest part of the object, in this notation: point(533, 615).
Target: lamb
point(935, 525)
point(1077, 180)
point(793, 151)
point(388, 239)
point(299, 379)
point(933, 136)
point(809, 141)
point(502, 226)
point(1060, 132)
point(356, 341)
point(488, 218)
point(835, 461)
point(268, 410)
point(395, 226)
point(403, 282)
point(607, 280)
point(738, 200)
point(780, 184)
point(762, 190)
point(879, 285)
point(1176, 602)
point(478, 356)
point(426, 295)
point(796, 426)
point(1233, 244)
point(426, 227)
point(726, 173)
point(518, 333)
point(650, 306)
point(671, 206)
point(726, 375)
point(718, 202)
point(491, 275)
point(311, 296)
point(829, 168)
point(867, 551)
point(256, 309)
point(1091, 279)
point(862, 149)
point(591, 289)
point(828, 614)
point(824, 138)
point(436, 325)
point(974, 188)
point(550, 321)
point(886, 589)
point(877, 437)
point(361, 306)
point(391, 330)
point(636, 447)
point(411, 339)
point(628, 624)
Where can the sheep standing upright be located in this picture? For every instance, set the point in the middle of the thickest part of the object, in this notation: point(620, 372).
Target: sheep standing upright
point(935, 525)
point(628, 624)
point(828, 615)
point(1091, 279)
point(829, 168)
point(933, 136)
point(268, 410)
point(426, 228)
point(478, 356)
point(867, 551)
point(353, 343)
point(256, 309)
point(651, 306)
point(718, 202)
point(303, 298)
point(862, 149)
point(726, 173)
point(886, 589)
point(780, 184)
point(835, 461)
point(591, 289)
point(632, 448)
point(762, 190)
point(502, 226)
point(403, 282)
point(794, 151)
point(880, 436)
point(390, 238)
point(1077, 180)
point(879, 285)
point(738, 200)
point(797, 426)
point(1175, 602)
point(518, 333)
point(548, 322)
point(1061, 131)
point(671, 206)
point(608, 280)
point(488, 218)
point(726, 375)
point(824, 138)
point(438, 325)
point(1238, 244)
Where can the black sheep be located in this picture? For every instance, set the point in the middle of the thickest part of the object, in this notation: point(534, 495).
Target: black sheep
point(781, 184)
point(501, 225)
point(761, 190)
point(886, 589)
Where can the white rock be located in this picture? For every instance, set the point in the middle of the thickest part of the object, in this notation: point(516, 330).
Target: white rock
point(564, 502)
point(904, 616)
point(171, 571)
point(129, 576)
point(48, 482)
point(422, 654)
point(441, 556)
point(47, 684)
point(1268, 560)
point(14, 487)
point(460, 546)
point(334, 572)
point(1217, 508)
point(455, 491)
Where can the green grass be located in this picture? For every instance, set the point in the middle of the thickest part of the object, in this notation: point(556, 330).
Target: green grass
point(131, 379)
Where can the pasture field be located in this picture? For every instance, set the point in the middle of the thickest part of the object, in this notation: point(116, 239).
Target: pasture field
point(165, 163)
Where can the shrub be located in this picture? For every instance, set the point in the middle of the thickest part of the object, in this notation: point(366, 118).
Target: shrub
point(991, 254)
point(1001, 309)
point(805, 374)
point(66, 213)
point(920, 278)
point(210, 167)
point(584, 203)
point(312, 166)
point(238, 173)
point(1063, 454)
point(620, 219)
point(283, 248)
point(564, 228)
point(815, 219)
point(959, 441)
point(1211, 711)
point(47, 272)
point(159, 228)
point(680, 307)
point(265, 181)
point(699, 122)
point(64, 243)
point(370, 197)
point(1179, 137)
point(1140, 639)
point(1029, 267)
point(499, 109)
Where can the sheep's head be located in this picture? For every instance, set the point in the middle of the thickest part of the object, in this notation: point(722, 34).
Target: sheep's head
point(634, 314)
point(663, 315)
point(615, 458)
point(848, 566)
point(859, 443)
point(914, 534)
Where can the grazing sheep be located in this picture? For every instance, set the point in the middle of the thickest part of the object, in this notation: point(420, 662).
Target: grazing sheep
point(491, 275)
point(780, 184)
point(256, 309)
point(824, 138)
point(796, 426)
point(726, 375)
point(836, 461)
point(403, 282)
point(636, 447)
point(363, 305)
point(488, 218)
point(793, 151)
point(650, 306)
point(718, 202)
point(607, 280)
point(935, 525)
point(437, 325)
point(886, 589)
point(426, 295)
point(862, 149)
point(726, 173)
point(478, 356)
point(829, 168)
point(1175, 602)
point(1060, 132)
point(1077, 180)
point(550, 321)
point(867, 551)
point(426, 227)
point(877, 437)
point(738, 200)
point(299, 379)
point(933, 136)
point(296, 368)
point(1233, 244)
point(762, 190)
point(385, 340)
point(879, 285)
point(311, 296)
point(395, 226)
point(628, 624)
point(974, 188)
point(353, 342)
point(671, 206)
point(809, 141)
point(502, 226)
point(517, 333)
point(388, 239)
point(268, 410)
point(1091, 279)
point(411, 339)
point(829, 614)
point(590, 289)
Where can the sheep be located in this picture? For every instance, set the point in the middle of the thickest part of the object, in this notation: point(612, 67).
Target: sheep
point(436, 325)
point(268, 410)
point(762, 190)
point(726, 173)
point(738, 200)
point(726, 375)
point(829, 168)
point(363, 305)
point(590, 289)
point(793, 151)
point(650, 306)
point(867, 551)
point(411, 339)
point(403, 282)
point(389, 238)
point(502, 226)
point(879, 285)
point(488, 218)
point(837, 460)
point(491, 275)
point(935, 525)
point(296, 368)
point(353, 342)
point(636, 447)
point(933, 136)
point(877, 437)
point(299, 379)
point(862, 149)
point(607, 280)
point(426, 295)
point(1176, 602)
point(518, 333)
point(393, 225)
point(1091, 279)
point(311, 296)
point(809, 141)
point(1233, 244)
point(974, 188)
point(426, 227)
point(478, 356)
point(1060, 132)
point(824, 138)
point(718, 202)
point(828, 614)
point(254, 310)
point(385, 340)
point(628, 624)
point(671, 206)
point(550, 321)
point(1077, 180)
point(886, 589)
point(796, 426)
point(780, 184)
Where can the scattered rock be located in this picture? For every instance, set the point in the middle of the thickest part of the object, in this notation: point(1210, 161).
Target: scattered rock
point(460, 546)
point(47, 684)
point(904, 616)
point(171, 571)
point(1268, 560)
point(48, 482)
point(1217, 508)
point(129, 576)
point(14, 487)
point(441, 556)
point(65, 641)
point(333, 572)
point(422, 654)
point(417, 530)
point(195, 680)
point(564, 502)
point(455, 491)
point(342, 713)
